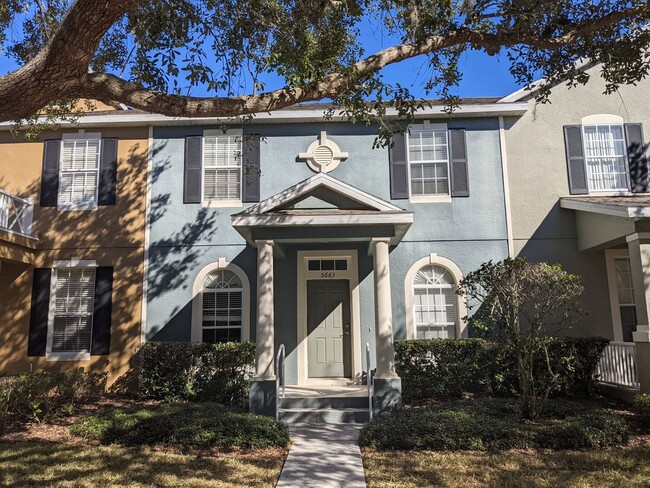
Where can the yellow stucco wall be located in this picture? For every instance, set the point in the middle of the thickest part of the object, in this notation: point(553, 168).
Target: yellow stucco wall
point(110, 235)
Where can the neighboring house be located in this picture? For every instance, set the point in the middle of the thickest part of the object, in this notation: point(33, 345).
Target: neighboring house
point(578, 183)
point(71, 248)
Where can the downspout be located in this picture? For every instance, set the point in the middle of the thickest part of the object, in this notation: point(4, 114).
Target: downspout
point(506, 187)
point(147, 223)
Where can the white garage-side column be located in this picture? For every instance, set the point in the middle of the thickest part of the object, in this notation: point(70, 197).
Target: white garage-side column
point(388, 386)
point(639, 250)
point(262, 398)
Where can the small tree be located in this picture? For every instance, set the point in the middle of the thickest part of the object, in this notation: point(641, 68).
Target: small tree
point(519, 302)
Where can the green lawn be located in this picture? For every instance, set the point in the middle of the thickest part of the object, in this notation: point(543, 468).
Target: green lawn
point(64, 464)
point(606, 468)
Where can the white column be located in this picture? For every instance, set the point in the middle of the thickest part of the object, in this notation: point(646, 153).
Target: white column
point(265, 347)
point(639, 250)
point(383, 311)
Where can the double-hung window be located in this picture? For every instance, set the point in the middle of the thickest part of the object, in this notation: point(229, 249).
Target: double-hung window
point(79, 172)
point(434, 303)
point(428, 158)
point(222, 307)
point(222, 168)
point(72, 303)
point(606, 157)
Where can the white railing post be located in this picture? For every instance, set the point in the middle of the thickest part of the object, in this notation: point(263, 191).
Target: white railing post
point(617, 365)
point(16, 213)
point(279, 375)
point(369, 379)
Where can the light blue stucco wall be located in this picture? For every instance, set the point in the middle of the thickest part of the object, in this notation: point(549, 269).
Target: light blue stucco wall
point(186, 237)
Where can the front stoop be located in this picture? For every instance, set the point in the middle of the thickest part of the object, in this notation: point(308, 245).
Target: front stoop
point(324, 407)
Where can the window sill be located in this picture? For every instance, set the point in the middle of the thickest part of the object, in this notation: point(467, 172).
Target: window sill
point(68, 356)
point(222, 204)
point(431, 199)
point(77, 206)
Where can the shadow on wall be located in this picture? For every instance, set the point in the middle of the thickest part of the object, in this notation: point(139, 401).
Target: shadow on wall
point(112, 235)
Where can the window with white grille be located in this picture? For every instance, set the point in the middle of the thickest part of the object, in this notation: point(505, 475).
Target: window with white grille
point(222, 304)
point(606, 157)
point(73, 300)
point(428, 155)
point(79, 173)
point(625, 295)
point(222, 167)
point(434, 303)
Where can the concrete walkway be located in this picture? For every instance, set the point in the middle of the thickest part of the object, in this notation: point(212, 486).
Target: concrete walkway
point(323, 456)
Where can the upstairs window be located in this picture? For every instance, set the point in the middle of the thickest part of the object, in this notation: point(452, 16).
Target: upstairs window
point(434, 303)
point(222, 168)
point(79, 173)
point(428, 158)
point(222, 304)
point(606, 157)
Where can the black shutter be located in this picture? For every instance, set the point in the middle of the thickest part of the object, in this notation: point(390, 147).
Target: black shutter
point(399, 179)
point(637, 159)
point(50, 177)
point(251, 169)
point(575, 159)
point(102, 312)
point(458, 163)
point(37, 341)
point(192, 180)
point(108, 172)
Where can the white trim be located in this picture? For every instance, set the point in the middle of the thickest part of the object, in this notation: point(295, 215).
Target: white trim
point(602, 119)
point(236, 132)
point(67, 356)
point(317, 181)
point(75, 263)
point(637, 236)
point(506, 186)
point(221, 203)
point(81, 135)
point(197, 289)
point(337, 219)
point(426, 125)
point(461, 309)
point(337, 155)
point(430, 199)
point(279, 116)
point(147, 239)
point(602, 208)
point(610, 256)
point(352, 275)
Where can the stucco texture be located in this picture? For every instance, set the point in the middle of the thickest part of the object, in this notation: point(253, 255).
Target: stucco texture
point(111, 235)
point(537, 173)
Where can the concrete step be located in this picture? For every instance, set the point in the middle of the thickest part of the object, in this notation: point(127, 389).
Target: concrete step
point(359, 402)
point(324, 415)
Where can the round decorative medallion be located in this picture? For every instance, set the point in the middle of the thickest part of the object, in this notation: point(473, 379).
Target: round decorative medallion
point(323, 155)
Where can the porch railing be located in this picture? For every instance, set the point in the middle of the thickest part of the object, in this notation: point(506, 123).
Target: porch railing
point(618, 365)
point(16, 213)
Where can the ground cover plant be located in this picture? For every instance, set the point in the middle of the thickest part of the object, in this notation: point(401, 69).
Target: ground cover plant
point(494, 424)
point(43, 396)
point(642, 408)
point(201, 425)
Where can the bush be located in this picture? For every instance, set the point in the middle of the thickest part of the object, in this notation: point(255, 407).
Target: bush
point(444, 368)
point(642, 408)
point(184, 424)
point(197, 371)
point(494, 424)
point(41, 396)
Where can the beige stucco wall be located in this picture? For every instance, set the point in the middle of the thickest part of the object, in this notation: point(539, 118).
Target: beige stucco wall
point(110, 235)
point(538, 178)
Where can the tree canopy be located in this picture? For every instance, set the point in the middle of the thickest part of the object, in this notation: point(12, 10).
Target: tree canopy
point(154, 55)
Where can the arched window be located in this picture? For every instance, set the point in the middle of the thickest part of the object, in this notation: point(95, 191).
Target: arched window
point(435, 303)
point(221, 305)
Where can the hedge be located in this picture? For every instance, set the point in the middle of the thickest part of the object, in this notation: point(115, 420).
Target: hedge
point(642, 408)
point(42, 396)
point(184, 424)
point(494, 424)
point(447, 368)
point(197, 371)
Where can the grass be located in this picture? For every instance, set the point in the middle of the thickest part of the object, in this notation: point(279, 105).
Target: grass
point(607, 468)
point(63, 464)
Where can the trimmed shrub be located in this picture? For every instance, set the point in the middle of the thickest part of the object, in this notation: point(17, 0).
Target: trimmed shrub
point(444, 368)
point(41, 396)
point(494, 424)
point(642, 408)
point(184, 424)
point(197, 371)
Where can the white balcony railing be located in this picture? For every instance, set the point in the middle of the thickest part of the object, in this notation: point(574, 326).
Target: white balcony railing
point(618, 365)
point(16, 214)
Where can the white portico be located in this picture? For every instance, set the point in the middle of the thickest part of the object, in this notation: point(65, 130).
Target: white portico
point(328, 225)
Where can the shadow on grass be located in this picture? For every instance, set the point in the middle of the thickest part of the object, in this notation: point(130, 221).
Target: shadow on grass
point(54, 464)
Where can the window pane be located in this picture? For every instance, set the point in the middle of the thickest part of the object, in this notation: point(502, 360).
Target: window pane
point(314, 265)
point(73, 309)
point(341, 265)
point(606, 157)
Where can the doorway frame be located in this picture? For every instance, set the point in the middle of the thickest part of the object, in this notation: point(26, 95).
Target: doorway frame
point(352, 275)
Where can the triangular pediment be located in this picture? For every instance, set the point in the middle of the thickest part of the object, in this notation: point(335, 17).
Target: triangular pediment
point(320, 193)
